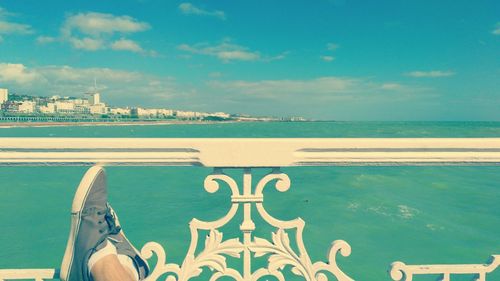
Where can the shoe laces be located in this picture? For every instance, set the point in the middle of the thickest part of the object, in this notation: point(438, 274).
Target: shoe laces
point(111, 226)
point(114, 227)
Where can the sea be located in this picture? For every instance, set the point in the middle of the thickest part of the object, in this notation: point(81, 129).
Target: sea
point(418, 215)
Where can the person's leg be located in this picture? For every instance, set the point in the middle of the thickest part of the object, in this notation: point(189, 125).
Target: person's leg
point(97, 248)
point(107, 264)
point(109, 268)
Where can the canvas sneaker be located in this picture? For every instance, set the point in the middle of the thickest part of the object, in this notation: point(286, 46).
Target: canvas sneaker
point(89, 225)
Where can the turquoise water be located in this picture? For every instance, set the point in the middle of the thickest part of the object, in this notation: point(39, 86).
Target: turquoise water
point(418, 215)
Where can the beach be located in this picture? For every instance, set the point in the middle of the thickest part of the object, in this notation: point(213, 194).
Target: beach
point(98, 123)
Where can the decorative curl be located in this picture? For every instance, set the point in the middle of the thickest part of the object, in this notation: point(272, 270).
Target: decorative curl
point(282, 182)
point(398, 273)
point(151, 248)
point(338, 246)
point(212, 185)
point(161, 266)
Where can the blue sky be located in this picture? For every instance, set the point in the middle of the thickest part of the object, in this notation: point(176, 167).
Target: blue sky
point(322, 59)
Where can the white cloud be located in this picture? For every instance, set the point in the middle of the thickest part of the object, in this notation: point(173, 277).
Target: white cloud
point(320, 89)
point(332, 46)
point(430, 74)
point(126, 45)
point(87, 43)
point(327, 58)
point(96, 24)
point(227, 55)
point(278, 89)
point(63, 74)
point(496, 31)
point(391, 86)
point(17, 73)
point(190, 9)
point(117, 87)
point(278, 57)
point(225, 51)
point(45, 39)
point(14, 28)
point(93, 31)
point(330, 97)
point(9, 27)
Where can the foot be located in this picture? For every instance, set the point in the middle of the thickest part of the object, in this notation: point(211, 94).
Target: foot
point(89, 225)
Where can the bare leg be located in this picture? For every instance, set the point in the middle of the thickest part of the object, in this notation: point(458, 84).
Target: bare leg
point(109, 268)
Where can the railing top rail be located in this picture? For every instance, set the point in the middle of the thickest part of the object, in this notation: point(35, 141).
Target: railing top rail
point(250, 152)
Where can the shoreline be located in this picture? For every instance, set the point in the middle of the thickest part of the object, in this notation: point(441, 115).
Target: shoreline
point(133, 123)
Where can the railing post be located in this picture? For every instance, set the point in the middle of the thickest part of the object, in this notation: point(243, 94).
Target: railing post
point(248, 225)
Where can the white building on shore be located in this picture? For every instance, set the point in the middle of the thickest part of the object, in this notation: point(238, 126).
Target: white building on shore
point(64, 107)
point(187, 114)
point(119, 111)
point(99, 108)
point(221, 114)
point(147, 112)
point(165, 112)
point(50, 108)
point(95, 98)
point(4, 95)
point(26, 107)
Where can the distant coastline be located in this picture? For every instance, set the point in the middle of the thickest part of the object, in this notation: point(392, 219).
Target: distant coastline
point(105, 123)
point(37, 110)
point(127, 123)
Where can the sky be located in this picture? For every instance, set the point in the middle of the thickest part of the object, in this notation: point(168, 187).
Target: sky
point(347, 60)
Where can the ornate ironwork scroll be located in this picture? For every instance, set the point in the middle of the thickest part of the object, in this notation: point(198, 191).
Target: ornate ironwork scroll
point(280, 252)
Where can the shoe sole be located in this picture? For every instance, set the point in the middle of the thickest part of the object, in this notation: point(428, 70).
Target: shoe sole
point(81, 195)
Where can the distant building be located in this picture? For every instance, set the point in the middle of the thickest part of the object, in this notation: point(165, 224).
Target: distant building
point(221, 115)
point(99, 108)
point(80, 101)
point(64, 107)
point(187, 114)
point(119, 111)
point(50, 108)
point(10, 106)
point(4, 95)
point(165, 112)
point(95, 98)
point(144, 112)
point(26, 107)
point(297, 119)
point(82, 108)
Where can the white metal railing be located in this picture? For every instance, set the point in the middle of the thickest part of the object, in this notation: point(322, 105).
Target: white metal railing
point(401, 271)
point(247, 154)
